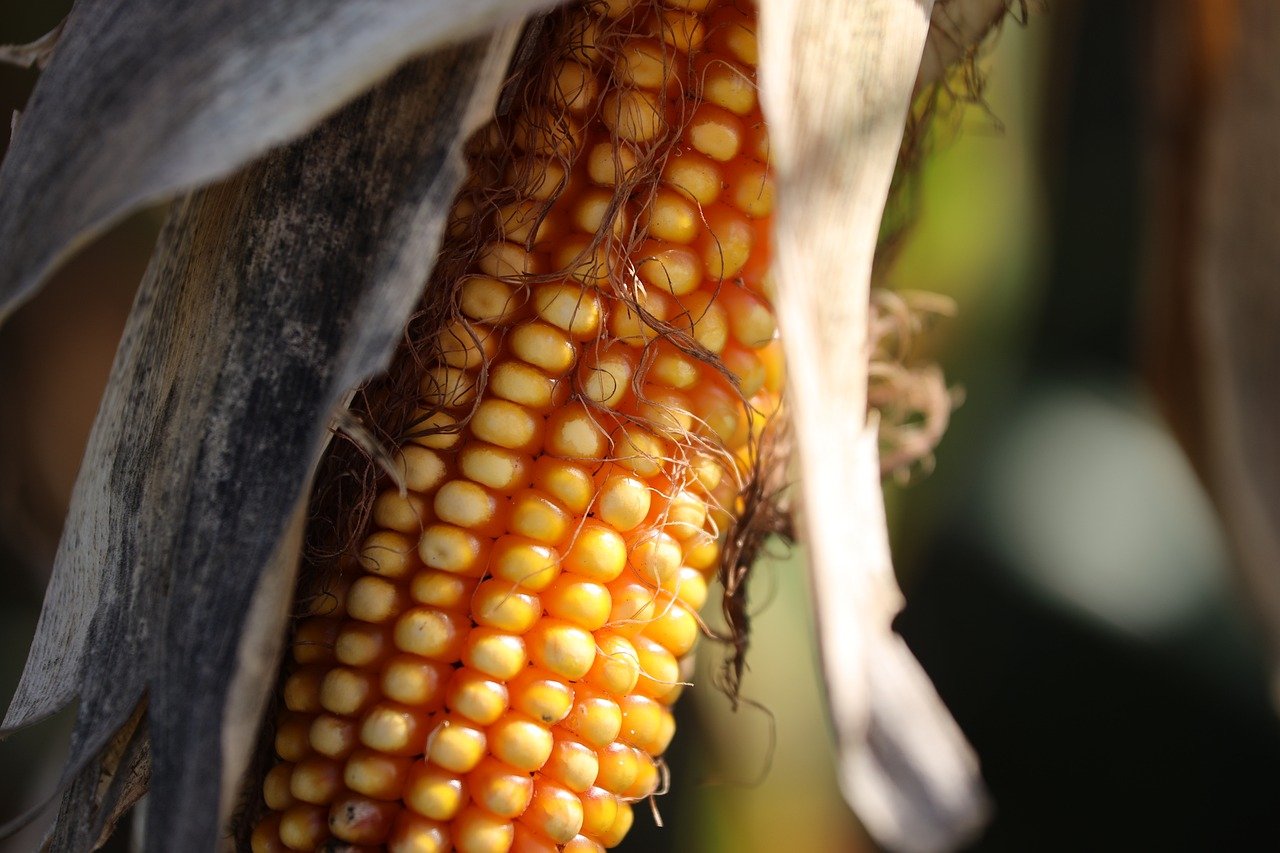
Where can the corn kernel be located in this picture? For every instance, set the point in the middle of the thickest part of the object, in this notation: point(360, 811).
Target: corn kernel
point(477, 831)
point(414, 681)
point(333, 736)
point(412, 833)
point(477, 696)
point(360, 820)
point(574, 432)
point(434, 792)
point(520, 741)
point(595, 718)
point(616, 668)
point(501, 604)
point(494, 653)
point(543, 346)
point(431, 633)
point(572, 764)
point(499, 788)
point(375, 774)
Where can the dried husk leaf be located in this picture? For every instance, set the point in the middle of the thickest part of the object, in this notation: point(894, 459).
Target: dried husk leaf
point(270, 296)
point(1235, 302)
point(904, 766)
point(144, 100)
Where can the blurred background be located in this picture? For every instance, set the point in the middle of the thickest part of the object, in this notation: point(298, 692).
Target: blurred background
point(1069, 588)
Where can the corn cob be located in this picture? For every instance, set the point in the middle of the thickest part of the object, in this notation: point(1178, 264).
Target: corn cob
point(497, 672)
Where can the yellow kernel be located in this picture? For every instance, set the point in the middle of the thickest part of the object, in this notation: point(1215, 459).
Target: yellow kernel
point(733, 31)
point(583, 258)
point(500, 789)
point(568, 483)
point(574, 87)
point(574, 432)
point(520, 741)
point(621, 826)
point(599, 811)
point(404, 513)
point(659, 669)
point(436, 431)
point(522, 383)
point(502, 605)
point(572, 764)
point(619, 766)
point(450, 549)
point(529, 840)
point(645, 63)
point(389, 554)
point(523, 222)
point(477, 831)
point(715, 132)
point(774, 366)
point(597, 553)
point(641, 720)
point(646, 781)
point(375, 599)
point(691, 589)
point(466, 504)
point(561, 647)
point(498, 468)
point(752, 191)
point(598, 212)
point(466, 345)
point(554, 812)
point(666, 731)
point(634, 607)
point(694, 175)
point(609, 164)
point(665, 411)
point(537, 178)
point(530, 564)
point(394, 729)
point(676, 269)
point(413, 833)
point(275, 787)
point(447, 387)
point(375, 774)
point(675, 628)
point(414, 681)
point(487, 300)
point(725, 84)
point(543, 346)
point(536, 693)
point(751, 320)
point(722, 415)
point(304, 826)
point(656, 557)
point(604, 375)
point(505, 424)
point(681, 30)
point(746, 368)
point(701, 551)
point(595, 718)
point(506, 260)
point(302, 689)
point(725, 243)
point(623, 502)
point(568, 307)
point(445, 590)
point(582, 844)
point(574, 599)
point(633, 324)
point(477, 696)
point(266, 836)
point(333, 737)
point(639, 450)
point(292, 741)
point(432, 633)
point(361, 820)
point(422, 468)
point(672, 216)
point(456, 744)
point(673, 368)
point(538, 517)
point(434, 792)
point(617, 665)
point(634, 115)
point(348, 691)
point(362, 644)
point(705, 319)
point(494, 653)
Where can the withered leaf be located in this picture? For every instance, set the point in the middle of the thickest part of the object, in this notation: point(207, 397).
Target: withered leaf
point(834, 140)
point(270, 296)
